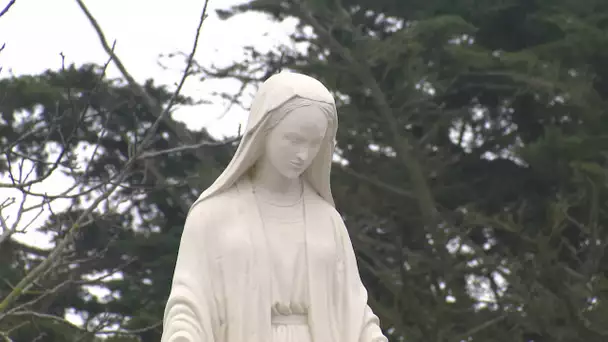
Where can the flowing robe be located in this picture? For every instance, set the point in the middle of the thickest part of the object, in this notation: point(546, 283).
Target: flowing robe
point(221, 289)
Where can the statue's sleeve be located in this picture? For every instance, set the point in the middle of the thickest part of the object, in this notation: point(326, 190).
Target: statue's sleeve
point(370, 329)
point(191, 313)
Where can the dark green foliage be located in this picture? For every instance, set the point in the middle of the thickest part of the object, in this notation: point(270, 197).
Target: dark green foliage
point(504, 103)
point(130, 250)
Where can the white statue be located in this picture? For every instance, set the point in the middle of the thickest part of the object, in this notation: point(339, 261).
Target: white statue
point(264, 256)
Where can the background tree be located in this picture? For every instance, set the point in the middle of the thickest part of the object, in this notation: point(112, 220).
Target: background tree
point(473, 160)
point(471, 169)
point(118, 144)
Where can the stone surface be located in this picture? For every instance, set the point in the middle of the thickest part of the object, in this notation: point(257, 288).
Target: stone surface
point(264, 255)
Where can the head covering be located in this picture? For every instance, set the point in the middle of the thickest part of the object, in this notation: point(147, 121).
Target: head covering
point(272, 94)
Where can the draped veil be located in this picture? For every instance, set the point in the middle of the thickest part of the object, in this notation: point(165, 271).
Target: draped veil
point(272, 94)
point(220, 289)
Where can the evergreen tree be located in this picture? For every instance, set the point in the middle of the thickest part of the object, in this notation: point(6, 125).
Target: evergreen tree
point(471, 169)
point(127, 248)
point(474, 163)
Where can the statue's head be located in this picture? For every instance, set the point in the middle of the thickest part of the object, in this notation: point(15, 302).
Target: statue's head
point(293, 135)
point(292, 127)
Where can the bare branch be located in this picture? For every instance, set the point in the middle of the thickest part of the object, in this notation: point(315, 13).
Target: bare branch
point(5, 10)
point(190, 147)
point(7, 231)
point(138, 89)
point(54, 128)
point(481, 327)
point(181, 132)
point(98, 330)
point(378, 183)
point(25, 283)
point(48, 317)
point(162, 115)
point(24, 306)
point(132, 331)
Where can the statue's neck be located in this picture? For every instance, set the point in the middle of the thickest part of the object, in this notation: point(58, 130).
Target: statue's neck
point(276, 189)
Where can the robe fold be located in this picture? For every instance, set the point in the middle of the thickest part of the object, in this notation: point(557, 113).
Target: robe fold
point(221, 289)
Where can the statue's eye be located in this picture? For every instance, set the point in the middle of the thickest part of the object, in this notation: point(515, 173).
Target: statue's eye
point(294, 138)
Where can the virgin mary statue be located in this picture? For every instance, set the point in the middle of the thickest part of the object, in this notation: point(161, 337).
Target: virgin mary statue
point(264, 255)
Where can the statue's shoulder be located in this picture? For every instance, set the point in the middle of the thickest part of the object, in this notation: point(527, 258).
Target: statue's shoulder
point(320, 205)
point(330, 210)
point(336, 217)
point(213, 209)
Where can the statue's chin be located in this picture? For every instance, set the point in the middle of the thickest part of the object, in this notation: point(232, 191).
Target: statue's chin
point(291, 173)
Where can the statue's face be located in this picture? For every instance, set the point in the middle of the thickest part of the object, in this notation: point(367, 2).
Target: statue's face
point(294, 142)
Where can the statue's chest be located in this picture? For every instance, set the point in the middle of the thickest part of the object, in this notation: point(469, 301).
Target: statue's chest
point(245, 240)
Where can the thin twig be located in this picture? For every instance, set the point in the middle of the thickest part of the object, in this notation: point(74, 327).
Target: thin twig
point(190, 147)
point(378, 183)
point(5, 10)
point(152, 105)
point(181, 133)
point(480, 327)
point(35, 273)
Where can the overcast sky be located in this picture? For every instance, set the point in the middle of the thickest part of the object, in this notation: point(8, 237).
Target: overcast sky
point(36, 32)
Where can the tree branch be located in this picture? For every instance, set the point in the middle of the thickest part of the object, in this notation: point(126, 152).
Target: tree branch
point(25, 283)
point(378, 183)
point(181, 132)
point(150, 103)
point(5, 10)
point(480, 327)
point(176, 149)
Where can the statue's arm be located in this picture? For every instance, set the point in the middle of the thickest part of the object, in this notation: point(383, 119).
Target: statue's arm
point(191, 312)
point(370, 330)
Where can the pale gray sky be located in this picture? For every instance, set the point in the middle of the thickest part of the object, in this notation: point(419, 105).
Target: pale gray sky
point(37, 31)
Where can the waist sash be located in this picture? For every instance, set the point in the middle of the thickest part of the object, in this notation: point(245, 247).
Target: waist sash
point(290, 320)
